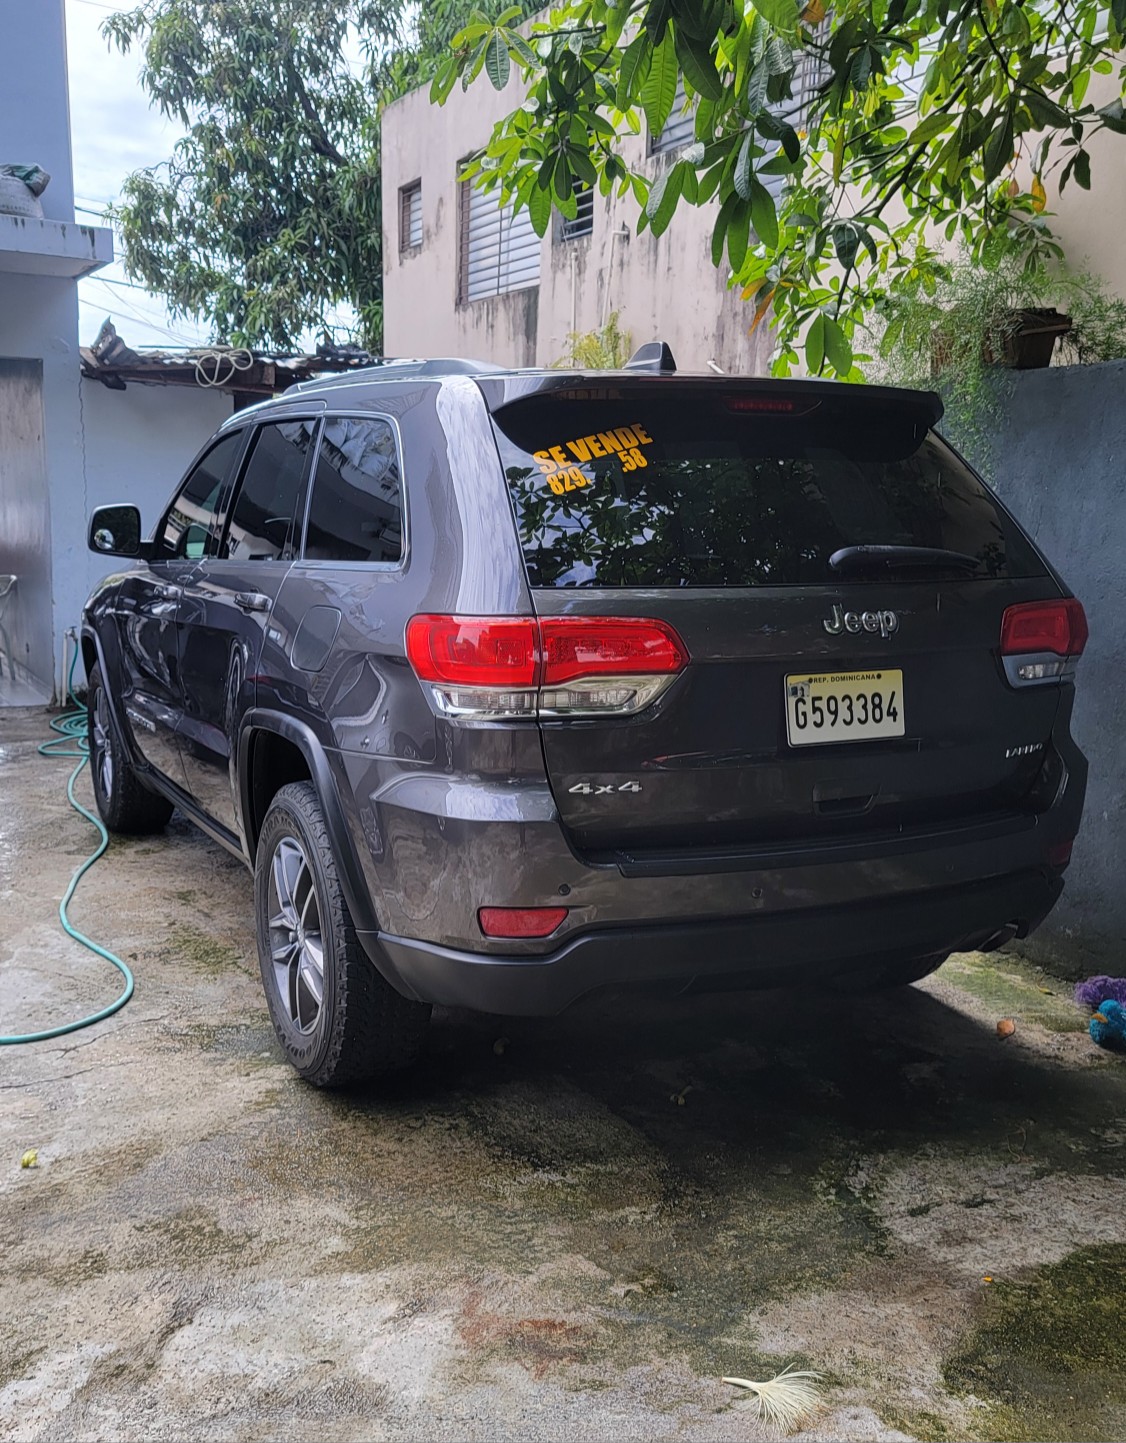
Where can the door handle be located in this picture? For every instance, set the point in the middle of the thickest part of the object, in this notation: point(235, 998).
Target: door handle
point(251, 601)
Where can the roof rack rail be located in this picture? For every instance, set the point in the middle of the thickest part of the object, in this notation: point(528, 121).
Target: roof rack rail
point(391, 367)
point(652, 356)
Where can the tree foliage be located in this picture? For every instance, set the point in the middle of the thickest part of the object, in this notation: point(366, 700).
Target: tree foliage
point(841, 148)
point(267, 218)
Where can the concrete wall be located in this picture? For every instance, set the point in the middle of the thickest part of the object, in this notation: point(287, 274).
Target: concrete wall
point(137, 445)
point(1060, 465)
point(39, 322)
point(664, 288)
point(34, 102)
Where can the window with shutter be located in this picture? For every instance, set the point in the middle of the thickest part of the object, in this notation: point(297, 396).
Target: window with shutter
point(410, 216)
point(499, 249)
point(582, 223)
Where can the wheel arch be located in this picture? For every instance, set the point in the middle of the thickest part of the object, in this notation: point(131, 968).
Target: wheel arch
point(260, 727)
point(94, 654)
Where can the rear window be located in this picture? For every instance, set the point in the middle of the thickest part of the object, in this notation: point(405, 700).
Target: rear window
point(684, 488)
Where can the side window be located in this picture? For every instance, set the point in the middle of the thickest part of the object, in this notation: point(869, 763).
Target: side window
point(356, 509)
point(262, 521)
point(190, 519)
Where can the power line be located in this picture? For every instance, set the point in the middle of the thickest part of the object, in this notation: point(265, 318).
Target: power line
point(145, 320)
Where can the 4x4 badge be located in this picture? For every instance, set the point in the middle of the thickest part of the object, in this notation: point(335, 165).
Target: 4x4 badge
point(600, 789)
point(885, 622)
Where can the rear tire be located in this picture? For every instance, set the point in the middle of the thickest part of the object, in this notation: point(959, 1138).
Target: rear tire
point(125, 803)
point(336, 1018)
point(887, 976)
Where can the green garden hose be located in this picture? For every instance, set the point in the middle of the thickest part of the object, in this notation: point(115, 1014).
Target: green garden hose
point(72, 742)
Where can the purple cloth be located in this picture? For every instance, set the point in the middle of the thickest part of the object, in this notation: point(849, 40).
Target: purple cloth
point(1100, 989)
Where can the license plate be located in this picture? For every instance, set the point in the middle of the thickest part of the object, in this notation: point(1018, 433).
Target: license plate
point(844, 706)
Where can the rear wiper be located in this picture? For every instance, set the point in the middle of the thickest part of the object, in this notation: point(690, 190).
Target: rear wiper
point(899, 558)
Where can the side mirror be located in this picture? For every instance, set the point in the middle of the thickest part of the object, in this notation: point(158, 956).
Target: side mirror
point(115, 531)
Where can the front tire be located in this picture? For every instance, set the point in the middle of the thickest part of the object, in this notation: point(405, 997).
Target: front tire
point(336, 1018)
point(125, 803)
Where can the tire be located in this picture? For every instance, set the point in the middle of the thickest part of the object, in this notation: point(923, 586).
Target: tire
point(360, 1027)
point(126, 805)
point(887, 976)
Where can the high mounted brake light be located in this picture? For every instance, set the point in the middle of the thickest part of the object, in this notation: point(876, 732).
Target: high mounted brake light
point(1042, 640)
point(779, 404)
point(492, 668)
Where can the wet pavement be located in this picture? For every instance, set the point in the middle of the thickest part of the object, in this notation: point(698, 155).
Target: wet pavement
point(564, 1229)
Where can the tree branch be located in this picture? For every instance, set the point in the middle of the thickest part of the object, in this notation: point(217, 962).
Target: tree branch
point(321, 142)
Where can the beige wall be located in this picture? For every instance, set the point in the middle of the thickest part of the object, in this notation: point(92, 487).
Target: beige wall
point(665, 288)
point(1091, 224)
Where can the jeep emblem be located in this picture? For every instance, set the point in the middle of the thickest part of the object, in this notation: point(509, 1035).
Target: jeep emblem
point(885, 622)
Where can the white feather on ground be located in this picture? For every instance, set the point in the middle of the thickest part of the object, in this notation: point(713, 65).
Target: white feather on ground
point(785, 1400)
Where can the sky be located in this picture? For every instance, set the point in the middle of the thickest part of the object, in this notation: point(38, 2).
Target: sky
point(114, 132)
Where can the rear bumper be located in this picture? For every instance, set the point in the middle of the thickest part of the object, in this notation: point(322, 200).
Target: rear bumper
point(762, 950)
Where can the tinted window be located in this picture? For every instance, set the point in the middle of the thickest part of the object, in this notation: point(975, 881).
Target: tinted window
point(190, 521)
point(691, 491)
point(356, 509)
point(262, 522)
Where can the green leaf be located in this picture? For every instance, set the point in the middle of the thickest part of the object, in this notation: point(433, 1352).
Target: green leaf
point(539, 209)
point(781, 14)
point(838, 350)
point(744, 166)
point(628, 67)
point(664, 196)
point(1045, 112)
point(815, 345)
point(999, 148)
point(701, 18)
point(927, 129)
point(561, 178)
point(498, 63)
point(1083, 169)
point(779, 57)
point(846, 242)
point(657, 18)
point(774, 128)
point(738, 233)
point(1113, 117)
point(516, 42)
point(698, 65)
point(719, 232)
point(659, 89)
point(861, 68)
point(756, 88)
point(764, 215)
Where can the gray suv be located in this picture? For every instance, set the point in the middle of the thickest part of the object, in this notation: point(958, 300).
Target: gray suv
point(510, 686)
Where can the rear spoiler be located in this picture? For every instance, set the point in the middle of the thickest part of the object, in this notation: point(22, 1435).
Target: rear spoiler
point(925, 407)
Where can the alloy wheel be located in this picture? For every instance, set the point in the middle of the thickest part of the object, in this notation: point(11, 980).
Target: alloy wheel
point(296, 944)
point(103, 752)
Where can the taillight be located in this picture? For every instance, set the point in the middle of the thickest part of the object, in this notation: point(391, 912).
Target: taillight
point(520, 921)
point(518, 666)
point(1042, 640)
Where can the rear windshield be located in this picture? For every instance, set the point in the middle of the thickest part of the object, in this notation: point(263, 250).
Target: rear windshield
point(621, 489)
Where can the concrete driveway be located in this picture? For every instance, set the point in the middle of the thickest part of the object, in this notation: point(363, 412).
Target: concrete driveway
point(552, 1230)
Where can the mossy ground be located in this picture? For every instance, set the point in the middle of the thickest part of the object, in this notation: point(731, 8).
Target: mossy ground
point(1048, 1356)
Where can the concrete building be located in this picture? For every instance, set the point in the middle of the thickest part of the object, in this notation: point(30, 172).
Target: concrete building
point(42, 484)
point(460, 280)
